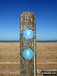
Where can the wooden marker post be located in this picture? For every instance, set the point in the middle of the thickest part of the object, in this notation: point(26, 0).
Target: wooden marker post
point(27, 44)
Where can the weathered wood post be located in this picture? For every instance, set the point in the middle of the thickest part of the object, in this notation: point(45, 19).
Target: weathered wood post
point(27, 44)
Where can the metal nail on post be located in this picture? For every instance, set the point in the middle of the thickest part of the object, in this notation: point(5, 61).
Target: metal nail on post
point(27, 44)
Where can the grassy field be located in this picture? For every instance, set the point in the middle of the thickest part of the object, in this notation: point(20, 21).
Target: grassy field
point(46, 58)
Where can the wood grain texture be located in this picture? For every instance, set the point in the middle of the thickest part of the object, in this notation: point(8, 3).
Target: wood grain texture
point(27, 20)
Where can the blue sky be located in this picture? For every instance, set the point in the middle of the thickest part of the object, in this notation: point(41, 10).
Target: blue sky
point(46, 18)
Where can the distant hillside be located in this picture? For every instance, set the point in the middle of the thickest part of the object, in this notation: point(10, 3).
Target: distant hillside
point(9, 41)
point(47, 41)
point(36, 41)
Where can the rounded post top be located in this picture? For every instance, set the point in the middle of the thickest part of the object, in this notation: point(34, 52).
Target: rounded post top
point(28, 13)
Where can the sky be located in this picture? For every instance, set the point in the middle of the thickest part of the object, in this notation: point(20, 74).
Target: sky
point(46, 18)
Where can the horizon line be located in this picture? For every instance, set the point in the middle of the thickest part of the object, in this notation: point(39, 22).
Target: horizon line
point(36, 40)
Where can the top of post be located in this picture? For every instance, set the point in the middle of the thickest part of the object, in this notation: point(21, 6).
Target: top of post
point(28, 13)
